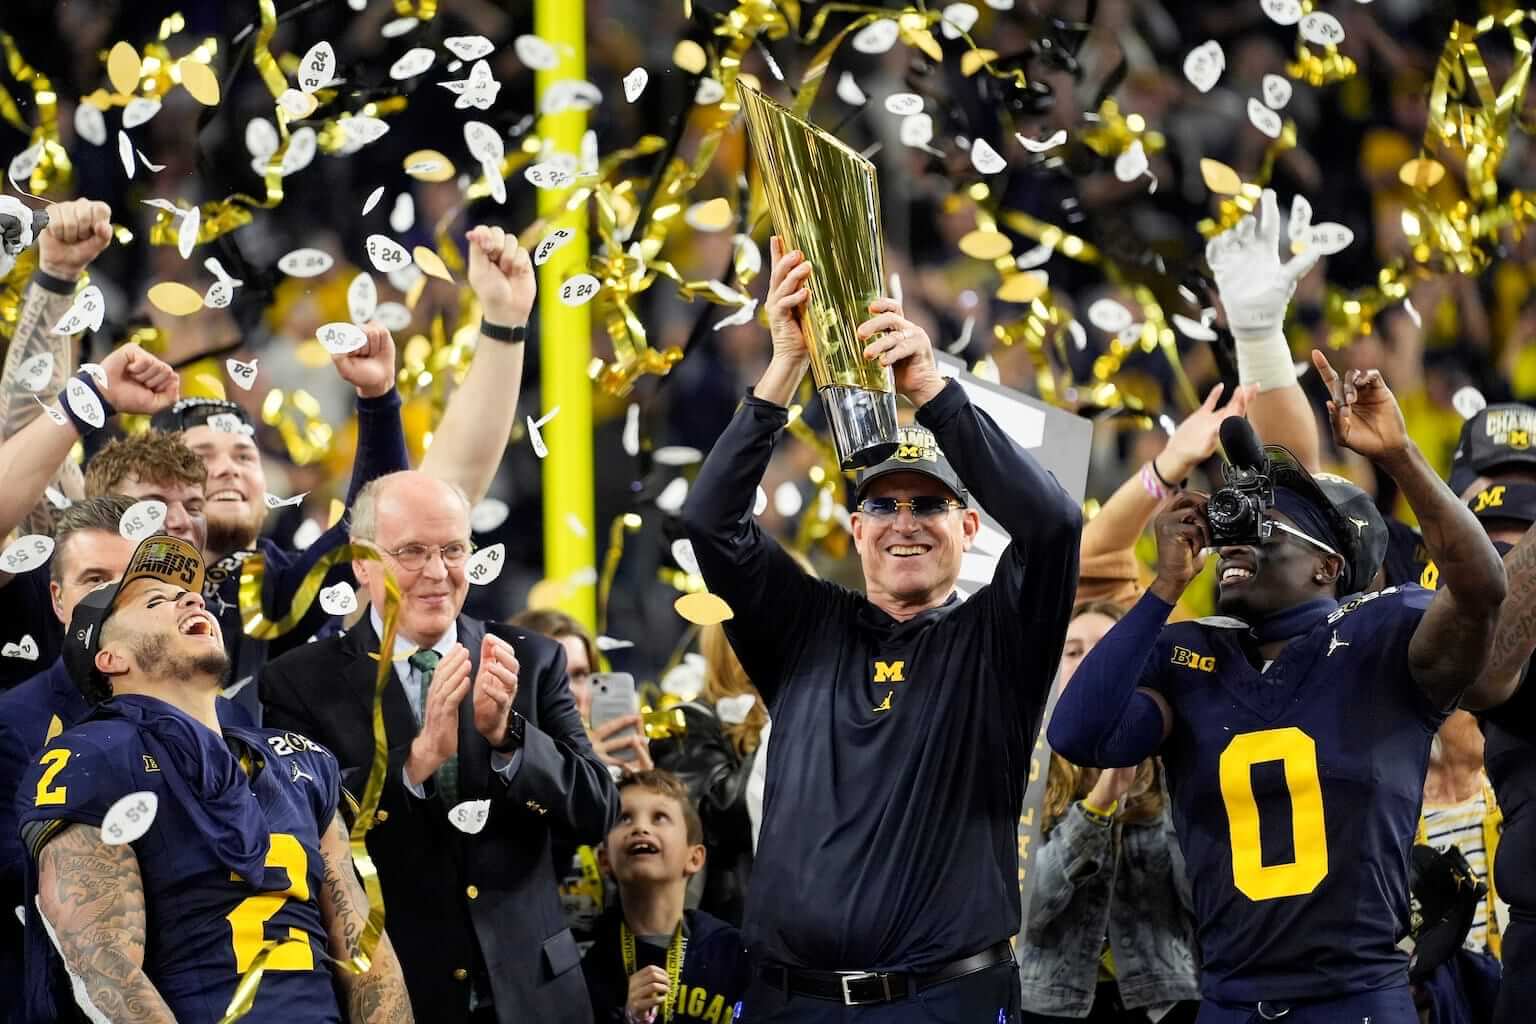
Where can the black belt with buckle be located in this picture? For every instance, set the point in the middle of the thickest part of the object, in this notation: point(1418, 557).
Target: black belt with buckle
point(863, 988)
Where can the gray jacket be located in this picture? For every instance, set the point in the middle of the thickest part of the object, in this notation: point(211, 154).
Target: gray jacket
point(1123, 881)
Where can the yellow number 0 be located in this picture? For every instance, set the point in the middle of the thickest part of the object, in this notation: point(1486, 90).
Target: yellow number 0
point(1296, 750)
point(248, 921)
point(55, 760)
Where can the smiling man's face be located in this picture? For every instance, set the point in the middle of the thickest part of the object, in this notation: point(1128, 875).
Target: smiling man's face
point(913, 561)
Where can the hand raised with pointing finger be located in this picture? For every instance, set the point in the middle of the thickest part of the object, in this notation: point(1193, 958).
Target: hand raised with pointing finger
point(1366, 418)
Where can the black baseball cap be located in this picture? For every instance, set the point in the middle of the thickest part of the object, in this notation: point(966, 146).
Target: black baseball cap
point(1445, 894)
point(916, 452)
point(218, 413)
point(161, 557)
point(1497, 437)
point(1357, 529)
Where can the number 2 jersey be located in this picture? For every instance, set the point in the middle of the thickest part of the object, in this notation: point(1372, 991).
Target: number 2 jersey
point(1296, 794)
point(204, 925)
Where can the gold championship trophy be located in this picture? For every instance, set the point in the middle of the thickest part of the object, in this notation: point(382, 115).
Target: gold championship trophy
point(825, 204)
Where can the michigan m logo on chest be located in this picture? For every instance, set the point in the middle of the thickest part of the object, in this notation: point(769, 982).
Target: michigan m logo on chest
point(890, 671)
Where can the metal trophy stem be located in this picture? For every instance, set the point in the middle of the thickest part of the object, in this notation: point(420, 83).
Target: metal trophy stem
point(825, 203)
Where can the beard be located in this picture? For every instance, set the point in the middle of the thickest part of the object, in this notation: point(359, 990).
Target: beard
point(156, 659)
point(228, 531)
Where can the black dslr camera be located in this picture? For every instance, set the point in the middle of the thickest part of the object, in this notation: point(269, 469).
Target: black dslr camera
point(1237, 511)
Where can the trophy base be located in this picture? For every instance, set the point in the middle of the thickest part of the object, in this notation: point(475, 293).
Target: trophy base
point(864, 428)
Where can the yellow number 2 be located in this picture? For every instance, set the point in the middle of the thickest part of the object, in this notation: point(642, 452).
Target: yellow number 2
point(1309, 839)
point(248, 921)
point(46, 794)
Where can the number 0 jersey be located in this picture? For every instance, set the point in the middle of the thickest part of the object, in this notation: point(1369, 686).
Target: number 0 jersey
point(1296, 795)
point(204, 925)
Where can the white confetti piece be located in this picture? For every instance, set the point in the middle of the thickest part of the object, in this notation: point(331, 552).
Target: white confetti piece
point(787, 500)
point(535, 437)
point(340, 338)
point(579, 290)
point(87, 310)
point(1321, 29)
point(149, 164)
point(242, 374)
point(1109, 316)
point(373, 200)
point(53, 412)
point(1193, 328)
point(570, 94)
point(484, 142)
point(26, 553)
point(143, 519)
point(964, 339)
point(1263, 118)
point(26, 650)
point(1204, 64)
point(468, 48)
point(402, 217)
point(575, 525)
point(485, 565)
point(386, 254)
point(677, 456)
point(1468, 401)
point(708, 92)
point(1418, 321)
point(877, 36)
point(129, 818)
point(139, 110)
point(608, 643)
point(536, 53)
point(682, 554)
point(412, 63)
point(398, 27)
point(470, 816)
point(1301, 218)
point(1035, 256)
point(221, 293)
point(56, 497)
point(551, 244)
point(186, 234)
point(339, 599)
point(273, 501)
point(983, 157)
point(24, 163)
point(1042, 145)
point(97, 373)
point(124, 155)
point(1277, 91)
point(631, 436)
point(317, 68)
point(90, 124)
point(849, 92)
point(358, 132)
point(904, 104)
point(84, 403)
point(393, 315)
point(488, 515)
point(1132, 163)
point(306, 263)
point(760, 502)
point(734, 710)
point(958, 19)
point(297, 105)
point(34, 374)
point(743, 315)
point(548, 175)
point(478, 90)
point(896, 287)
point(672, 496)
point(229, 423)
point(1329, 238)
point(916, 131)
point(261, 139)
point(1000, 5)
point(1282, 12)
point(362, 298)
point(635, 83)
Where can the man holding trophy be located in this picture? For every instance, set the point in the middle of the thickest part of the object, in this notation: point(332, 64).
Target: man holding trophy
point(904, 706)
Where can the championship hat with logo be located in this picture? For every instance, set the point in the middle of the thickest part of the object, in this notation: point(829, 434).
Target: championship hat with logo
point(1498, 437)
point(916, 452)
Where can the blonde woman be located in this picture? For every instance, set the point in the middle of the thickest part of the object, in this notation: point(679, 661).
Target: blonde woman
point(1109, 937)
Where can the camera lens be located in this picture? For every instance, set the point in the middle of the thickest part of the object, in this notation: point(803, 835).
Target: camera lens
point(1225, 507)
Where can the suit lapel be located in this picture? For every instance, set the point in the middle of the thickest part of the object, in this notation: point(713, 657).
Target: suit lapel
point(474, 752)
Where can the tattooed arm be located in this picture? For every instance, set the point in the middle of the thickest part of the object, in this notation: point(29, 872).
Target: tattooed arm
point(93, 900)
point(379, 996)
point(1514, 638)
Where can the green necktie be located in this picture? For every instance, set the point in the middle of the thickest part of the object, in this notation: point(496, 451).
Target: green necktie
point(447, 774)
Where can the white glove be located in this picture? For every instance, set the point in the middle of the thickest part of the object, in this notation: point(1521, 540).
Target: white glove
point(15, 231)
point(1255, 288)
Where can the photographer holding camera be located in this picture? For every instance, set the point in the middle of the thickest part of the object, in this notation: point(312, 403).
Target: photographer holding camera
point(1295, 729)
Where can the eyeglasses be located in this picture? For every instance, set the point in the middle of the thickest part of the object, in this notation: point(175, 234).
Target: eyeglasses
point(923, 507)
point(414, 557)
point(1275, 524)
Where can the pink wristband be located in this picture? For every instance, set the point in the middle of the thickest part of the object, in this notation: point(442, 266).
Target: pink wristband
point(1150, 481)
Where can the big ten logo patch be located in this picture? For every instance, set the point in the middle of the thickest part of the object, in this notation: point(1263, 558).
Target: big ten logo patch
point(1194, 659)
point(890, 671)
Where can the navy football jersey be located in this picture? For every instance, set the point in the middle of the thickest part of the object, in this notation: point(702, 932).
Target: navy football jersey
point(203, 924)
point(1296, 795)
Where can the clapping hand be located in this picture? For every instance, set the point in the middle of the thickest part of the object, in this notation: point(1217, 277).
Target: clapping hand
point(495, 689)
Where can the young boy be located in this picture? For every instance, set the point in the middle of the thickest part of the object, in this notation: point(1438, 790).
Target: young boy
point(654, 961)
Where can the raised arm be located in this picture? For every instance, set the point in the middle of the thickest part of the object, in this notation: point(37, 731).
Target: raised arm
point(469, 443)
point(1514, 638)
point(1255, 288)
point(377, 996)
point(1451, 643)
point(92, 898)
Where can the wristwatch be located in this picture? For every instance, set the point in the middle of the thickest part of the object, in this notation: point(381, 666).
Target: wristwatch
point(517, 727)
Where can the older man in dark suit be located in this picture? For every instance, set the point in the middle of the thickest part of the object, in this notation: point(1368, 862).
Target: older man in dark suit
point(478, 712)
